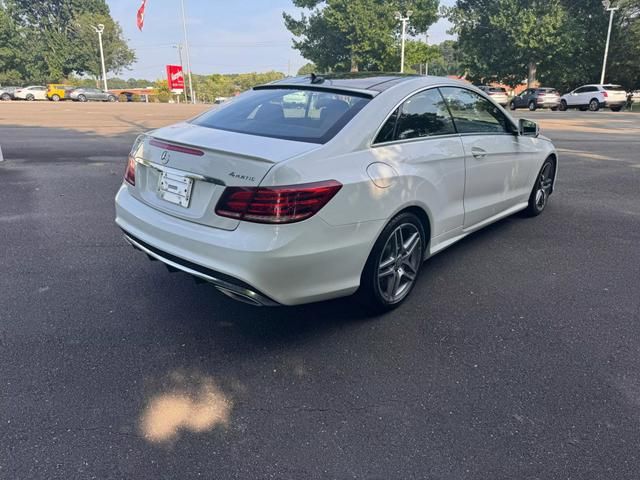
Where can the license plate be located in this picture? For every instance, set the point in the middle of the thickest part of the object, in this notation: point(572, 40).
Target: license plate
point(175, 189)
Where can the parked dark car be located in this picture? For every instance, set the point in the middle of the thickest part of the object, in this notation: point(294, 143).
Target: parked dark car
point(7, 93)
point(86, 94)
point(533, 98)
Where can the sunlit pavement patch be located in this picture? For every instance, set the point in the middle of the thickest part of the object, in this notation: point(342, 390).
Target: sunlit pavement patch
point(192, 403)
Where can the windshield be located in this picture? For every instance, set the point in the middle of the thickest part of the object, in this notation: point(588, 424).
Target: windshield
point(312, 116)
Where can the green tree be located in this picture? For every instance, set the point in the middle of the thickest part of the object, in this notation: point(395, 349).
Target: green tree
point(308, 69)
point(55, 37)
point(417, 54)
point(505, 40)
point(343, 35)
point(448, 62)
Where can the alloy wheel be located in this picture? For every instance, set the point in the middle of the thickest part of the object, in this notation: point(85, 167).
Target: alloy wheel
point(399, 263)
point(545, 182)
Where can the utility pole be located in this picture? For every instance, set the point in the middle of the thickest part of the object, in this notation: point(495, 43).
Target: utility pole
point(404, 20)
point(186, 46)
point(99, 29)
point(607, 5)
point(426, 39)
point(184, 90)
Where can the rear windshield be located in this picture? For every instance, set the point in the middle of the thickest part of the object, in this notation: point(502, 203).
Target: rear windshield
point(311, 116)
point(497, 90)
point(613, 88)
point(547, 90)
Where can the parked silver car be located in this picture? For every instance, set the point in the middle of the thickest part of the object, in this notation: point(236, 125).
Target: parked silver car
point(8, 93)
point(497, 94)
point(86, 94)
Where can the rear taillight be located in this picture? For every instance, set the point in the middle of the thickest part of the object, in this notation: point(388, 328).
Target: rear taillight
point(130, 172)
point(541, 94)
point(288, 204)
point(605, 94)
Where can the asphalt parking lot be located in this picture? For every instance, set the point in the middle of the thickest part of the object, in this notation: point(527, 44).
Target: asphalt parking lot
point(516, 357)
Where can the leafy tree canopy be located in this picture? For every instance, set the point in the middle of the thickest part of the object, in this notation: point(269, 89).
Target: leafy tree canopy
point(559, 42)
point(51, 39)
point(343, 35)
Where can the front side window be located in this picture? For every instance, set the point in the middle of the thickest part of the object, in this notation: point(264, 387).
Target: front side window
point(473, 113)
point(422, 115)
point(313, 116)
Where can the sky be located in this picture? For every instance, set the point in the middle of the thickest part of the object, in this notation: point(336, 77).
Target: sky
point(224, 36)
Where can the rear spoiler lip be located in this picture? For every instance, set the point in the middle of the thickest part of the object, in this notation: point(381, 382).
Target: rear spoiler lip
point(320, 88)
point(210, 149)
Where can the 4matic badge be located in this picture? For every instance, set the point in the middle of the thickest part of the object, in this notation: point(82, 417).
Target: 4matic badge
point(242, 177)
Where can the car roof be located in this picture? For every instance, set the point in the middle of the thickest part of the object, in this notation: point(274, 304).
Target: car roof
point(367, 83)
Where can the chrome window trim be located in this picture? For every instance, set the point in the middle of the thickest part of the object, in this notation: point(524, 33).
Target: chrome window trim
point(372, 143)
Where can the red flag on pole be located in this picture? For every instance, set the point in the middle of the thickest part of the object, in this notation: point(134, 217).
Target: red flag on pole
point(140, 18)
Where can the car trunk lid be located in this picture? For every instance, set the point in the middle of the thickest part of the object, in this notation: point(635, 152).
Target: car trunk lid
point(182, 170)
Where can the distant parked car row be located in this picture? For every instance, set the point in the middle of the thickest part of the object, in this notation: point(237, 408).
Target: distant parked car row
point(55, 93)
point(588, 97)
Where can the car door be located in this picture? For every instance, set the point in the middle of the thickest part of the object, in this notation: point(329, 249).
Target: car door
point(523, 98)
point(497, 162)
point(40, 93)
point(419, 141)
point(574, 99)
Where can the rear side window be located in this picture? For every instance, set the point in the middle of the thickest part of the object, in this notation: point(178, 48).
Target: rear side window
point(424, 114)
point(312, 116)
point(473, 113)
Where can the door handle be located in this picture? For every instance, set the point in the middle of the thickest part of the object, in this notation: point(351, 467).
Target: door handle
point(478, 152)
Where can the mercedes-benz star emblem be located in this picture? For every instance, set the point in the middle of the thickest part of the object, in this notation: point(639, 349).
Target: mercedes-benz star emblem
point(164, 158)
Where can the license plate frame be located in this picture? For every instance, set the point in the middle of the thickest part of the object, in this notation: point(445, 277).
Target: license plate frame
point(175, 188)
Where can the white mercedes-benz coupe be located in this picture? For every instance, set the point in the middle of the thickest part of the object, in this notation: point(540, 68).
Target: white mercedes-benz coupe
point(313, 188)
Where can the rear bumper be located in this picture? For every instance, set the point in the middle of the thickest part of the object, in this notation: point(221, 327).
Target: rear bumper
point(287, 264)
point(227, 285)
point(548, 102)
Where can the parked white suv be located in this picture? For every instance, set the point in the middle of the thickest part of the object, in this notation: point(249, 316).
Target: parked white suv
point(594, 97)
point(34, 92)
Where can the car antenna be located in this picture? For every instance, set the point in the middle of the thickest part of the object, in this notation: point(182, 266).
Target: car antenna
point(316, 79)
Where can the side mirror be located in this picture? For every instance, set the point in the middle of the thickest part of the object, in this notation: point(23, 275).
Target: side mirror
point(527, 128)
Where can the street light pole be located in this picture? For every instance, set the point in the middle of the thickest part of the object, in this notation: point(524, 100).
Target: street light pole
point(607, 6)
point(404, 20)
point(186, 46)
point(99, 29)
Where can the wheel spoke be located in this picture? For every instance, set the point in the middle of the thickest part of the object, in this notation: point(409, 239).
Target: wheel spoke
point(382, 273)
point(411, 244)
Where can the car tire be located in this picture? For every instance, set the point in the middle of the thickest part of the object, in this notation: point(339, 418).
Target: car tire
point(512, 105)
point(554, 109)
point(532, 106)
point(563, 106)
point(394, 264)
point(111, 99)
point(616, 109)
point(29, 98)
point(594, 105)
point(5, 97)
point(55, 98)
point(542, 188)
point(82, 98)
point(583, 109)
